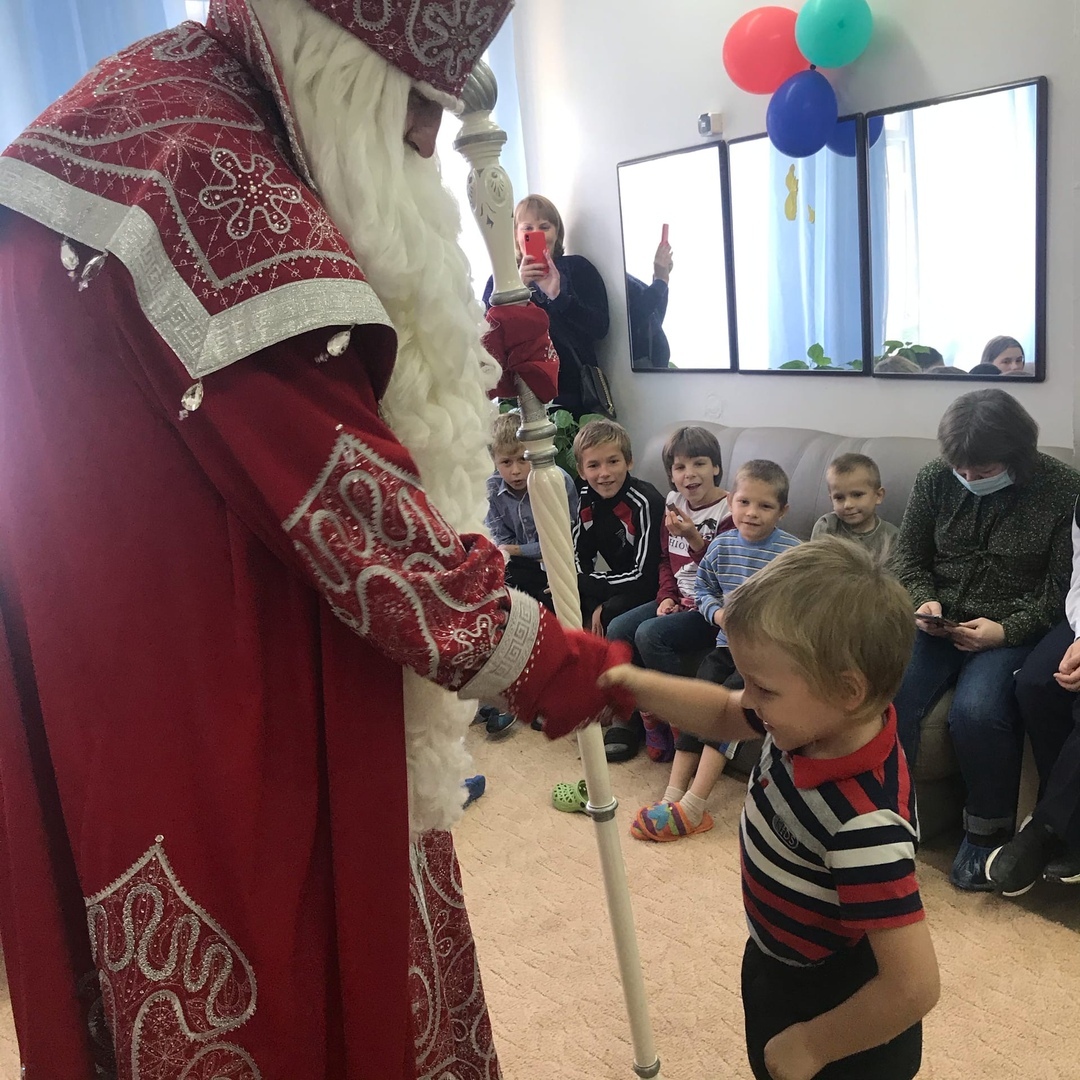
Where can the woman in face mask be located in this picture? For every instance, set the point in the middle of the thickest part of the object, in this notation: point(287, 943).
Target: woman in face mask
point(985, 552)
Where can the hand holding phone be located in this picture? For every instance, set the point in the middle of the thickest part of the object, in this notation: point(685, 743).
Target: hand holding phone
point(664, 233)
point(936, 620)
point(534, 244)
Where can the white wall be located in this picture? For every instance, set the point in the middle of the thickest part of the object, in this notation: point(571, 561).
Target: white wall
point(602, 81)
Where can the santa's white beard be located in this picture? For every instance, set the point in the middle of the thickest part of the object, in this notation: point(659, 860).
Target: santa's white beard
point(402, 224)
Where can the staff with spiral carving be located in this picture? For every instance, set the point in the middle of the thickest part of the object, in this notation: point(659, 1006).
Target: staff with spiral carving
point(491, 199)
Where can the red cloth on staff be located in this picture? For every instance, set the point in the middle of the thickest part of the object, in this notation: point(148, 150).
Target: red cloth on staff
point(519, 340)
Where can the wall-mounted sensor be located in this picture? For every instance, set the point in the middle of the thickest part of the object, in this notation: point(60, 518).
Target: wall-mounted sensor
point(710, 123)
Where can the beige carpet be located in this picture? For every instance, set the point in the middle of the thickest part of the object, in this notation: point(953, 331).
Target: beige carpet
point(1010, 972)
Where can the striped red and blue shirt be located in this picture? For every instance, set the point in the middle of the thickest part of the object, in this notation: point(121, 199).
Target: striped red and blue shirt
point(828, 848)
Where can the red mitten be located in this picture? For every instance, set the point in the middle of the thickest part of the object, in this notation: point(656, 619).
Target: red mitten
point(519, 340)
point(559, 681)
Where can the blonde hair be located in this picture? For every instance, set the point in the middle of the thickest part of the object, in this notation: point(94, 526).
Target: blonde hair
point(545, 210)
point(598, 432)
point(846, 464)
point(767, 472)
point(832, 608)
point(504, 433)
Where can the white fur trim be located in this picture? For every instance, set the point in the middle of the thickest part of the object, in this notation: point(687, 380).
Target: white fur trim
point(402, 225)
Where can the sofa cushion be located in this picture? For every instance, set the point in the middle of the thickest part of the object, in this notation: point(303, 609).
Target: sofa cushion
point(804, 454)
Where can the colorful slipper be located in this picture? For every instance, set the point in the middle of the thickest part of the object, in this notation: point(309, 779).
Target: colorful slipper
point(570, 798)
point(664, 821)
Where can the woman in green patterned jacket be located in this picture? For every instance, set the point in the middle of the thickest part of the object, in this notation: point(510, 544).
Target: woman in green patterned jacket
point(985, 552)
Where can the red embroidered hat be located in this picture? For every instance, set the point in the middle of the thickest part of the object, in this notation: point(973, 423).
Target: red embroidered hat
point(433, 41)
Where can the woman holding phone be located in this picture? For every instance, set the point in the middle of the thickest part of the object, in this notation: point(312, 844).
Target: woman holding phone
point(985, 552)
point(568, 287)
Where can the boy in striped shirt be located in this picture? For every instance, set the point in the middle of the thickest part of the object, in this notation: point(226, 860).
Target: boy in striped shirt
point(839, 969)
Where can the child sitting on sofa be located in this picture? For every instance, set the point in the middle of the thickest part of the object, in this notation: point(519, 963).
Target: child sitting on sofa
point(663, 629)
point(619, 521)
point(854, 482)
point(510, 522)
point(758, 502)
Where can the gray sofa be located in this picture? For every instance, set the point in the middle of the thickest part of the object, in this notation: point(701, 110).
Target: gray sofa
point(805, 455)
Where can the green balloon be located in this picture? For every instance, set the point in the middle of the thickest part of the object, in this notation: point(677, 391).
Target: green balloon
point(832, 33)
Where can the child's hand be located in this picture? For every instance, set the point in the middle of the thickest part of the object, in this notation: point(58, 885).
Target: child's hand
point(622, 675)
point(596, 625)
point(788, 1056)
point(509, 550)
point(678, 524)
point(688, 603)
point(666, 606)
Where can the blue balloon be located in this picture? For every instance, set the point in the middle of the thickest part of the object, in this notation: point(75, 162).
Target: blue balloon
point(802, 114)
point(832, 33)
point(842, 139)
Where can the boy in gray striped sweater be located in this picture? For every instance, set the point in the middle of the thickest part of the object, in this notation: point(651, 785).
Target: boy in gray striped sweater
point(757, 503)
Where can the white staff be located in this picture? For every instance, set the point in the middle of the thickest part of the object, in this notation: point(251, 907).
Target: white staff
point(492, 200)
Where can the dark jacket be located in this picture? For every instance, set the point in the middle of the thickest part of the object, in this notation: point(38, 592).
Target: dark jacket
point(625, 530)
point(579, 319)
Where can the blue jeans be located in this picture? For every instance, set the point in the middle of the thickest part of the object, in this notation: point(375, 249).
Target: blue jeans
point(984, 722)
point(660, 641)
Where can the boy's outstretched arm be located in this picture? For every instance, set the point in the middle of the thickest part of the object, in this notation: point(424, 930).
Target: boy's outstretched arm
point(694, 705)
point(904, 990)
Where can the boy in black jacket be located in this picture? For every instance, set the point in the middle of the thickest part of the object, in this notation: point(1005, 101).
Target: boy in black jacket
point(620, 521)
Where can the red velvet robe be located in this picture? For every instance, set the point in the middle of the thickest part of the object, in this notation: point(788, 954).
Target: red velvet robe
point(202, 767)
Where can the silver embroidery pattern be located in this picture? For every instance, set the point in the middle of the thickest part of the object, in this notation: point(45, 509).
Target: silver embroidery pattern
point(204, 343)
point(228, 253)
point(451, 1028)
point(378, 550)
point(511, 656)
point(172, 980)
point(188, 41)
point(247, 194)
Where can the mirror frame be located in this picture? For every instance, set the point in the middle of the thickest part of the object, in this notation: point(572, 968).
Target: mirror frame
point(720, 148)
point(865, 294)
point(1041, 84)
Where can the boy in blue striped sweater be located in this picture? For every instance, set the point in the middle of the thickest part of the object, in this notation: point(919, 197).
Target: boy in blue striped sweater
point(757, 503)
point(839, 968)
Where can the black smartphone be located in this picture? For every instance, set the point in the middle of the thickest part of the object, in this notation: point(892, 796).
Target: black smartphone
point(936, 620)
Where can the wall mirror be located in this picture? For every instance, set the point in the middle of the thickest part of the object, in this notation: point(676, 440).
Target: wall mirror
point(681, 324)
point(957, 221)
point(796, 257)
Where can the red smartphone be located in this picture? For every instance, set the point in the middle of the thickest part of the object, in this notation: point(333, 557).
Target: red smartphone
point(663, 234)
point(534, 243)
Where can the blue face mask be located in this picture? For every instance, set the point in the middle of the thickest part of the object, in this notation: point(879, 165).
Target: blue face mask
point(988, 485)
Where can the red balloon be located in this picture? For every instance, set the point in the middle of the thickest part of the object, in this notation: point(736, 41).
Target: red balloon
point(760, 51)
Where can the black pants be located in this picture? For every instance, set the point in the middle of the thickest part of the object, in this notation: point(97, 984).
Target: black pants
point(527, 576)
point(610, 608)
point(719, 668)
point(1051, 716)
point(776, 995)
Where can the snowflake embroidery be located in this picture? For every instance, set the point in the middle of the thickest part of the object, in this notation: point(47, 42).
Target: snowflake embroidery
point(247, 194)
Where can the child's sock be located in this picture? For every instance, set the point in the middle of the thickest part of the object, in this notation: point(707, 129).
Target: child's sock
point(693, 808)
point(673, 794)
